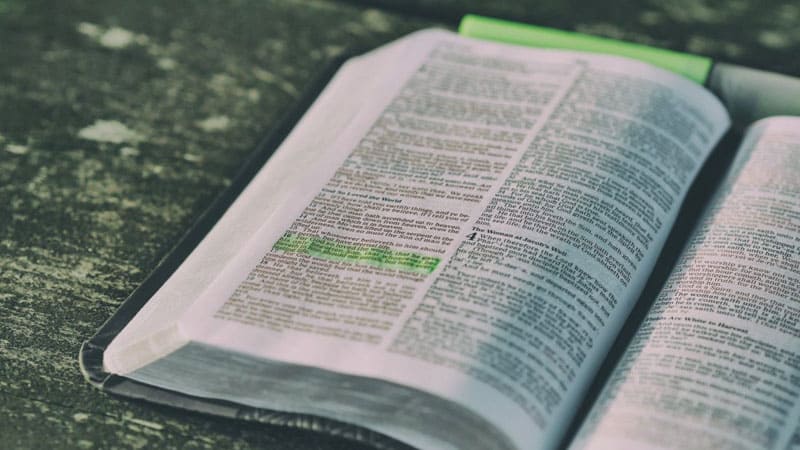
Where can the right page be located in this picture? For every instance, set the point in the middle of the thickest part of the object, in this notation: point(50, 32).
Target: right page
point(716, 363)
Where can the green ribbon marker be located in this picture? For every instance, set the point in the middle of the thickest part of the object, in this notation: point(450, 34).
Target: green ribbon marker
point(694, 67)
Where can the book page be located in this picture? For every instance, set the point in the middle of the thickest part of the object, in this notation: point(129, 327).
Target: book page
point(329, 117)
point(716, 363)
point(479, 231)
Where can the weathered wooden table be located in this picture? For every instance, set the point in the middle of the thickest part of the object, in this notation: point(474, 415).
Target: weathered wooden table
point(120, 121)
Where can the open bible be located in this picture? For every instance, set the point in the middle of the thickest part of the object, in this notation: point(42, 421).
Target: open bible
point(445, 247)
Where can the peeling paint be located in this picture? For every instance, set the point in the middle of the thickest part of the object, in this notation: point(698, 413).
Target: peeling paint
point(81, 271)
point(192, 157)
point(253, 95)
point(117, 37)
point(113, 38)
point(17, 149)
point(166, 63)
point(772, 39)
point(146, 423)
point(109, 131)
point(129, 151)
point(214, 123)
point(377, 20)
point(89, 29)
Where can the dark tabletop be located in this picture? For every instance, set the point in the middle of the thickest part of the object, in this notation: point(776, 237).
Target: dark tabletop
point(120, 121)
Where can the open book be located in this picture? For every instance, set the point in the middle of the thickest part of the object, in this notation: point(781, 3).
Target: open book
point(447, 244)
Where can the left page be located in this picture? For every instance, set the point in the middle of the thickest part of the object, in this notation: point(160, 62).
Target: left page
point(479, 230)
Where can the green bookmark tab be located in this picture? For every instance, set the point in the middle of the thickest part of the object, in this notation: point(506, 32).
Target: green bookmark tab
point(694, 67)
